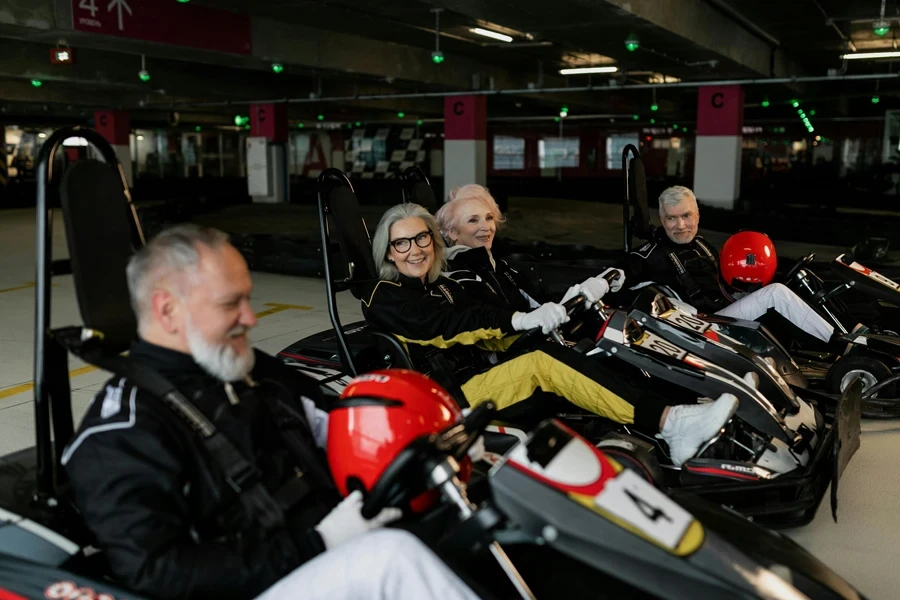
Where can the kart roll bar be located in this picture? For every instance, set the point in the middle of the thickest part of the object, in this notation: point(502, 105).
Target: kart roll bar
point(52, 395)
point(635, 198)
point(417, 189)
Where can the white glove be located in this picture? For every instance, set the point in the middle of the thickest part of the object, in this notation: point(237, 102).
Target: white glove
point(548, 317)
point(476, 450)
point(345, 521)
point(616, 284)
point(683, 306)
point(595, 288)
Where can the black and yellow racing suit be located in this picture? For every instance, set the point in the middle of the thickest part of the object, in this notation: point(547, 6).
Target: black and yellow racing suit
point(440, 315)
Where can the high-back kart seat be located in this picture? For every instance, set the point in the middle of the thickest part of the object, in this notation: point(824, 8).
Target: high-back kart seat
point(417, 189)
point(338, 201)
point(635, 206)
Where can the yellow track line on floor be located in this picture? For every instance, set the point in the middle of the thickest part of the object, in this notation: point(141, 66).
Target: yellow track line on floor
point(24, 387)
point(24, 286)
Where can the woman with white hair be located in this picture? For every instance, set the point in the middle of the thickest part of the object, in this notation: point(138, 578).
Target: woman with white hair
point(431, 313)
point(469, 221)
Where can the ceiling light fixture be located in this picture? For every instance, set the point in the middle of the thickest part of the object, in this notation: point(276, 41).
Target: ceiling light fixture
point(491, 34)
point(588, 70)
point(870, 55)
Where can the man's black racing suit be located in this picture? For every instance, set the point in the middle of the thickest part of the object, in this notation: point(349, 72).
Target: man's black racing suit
point(158, 505)
point(691, 270)
point(441, 317)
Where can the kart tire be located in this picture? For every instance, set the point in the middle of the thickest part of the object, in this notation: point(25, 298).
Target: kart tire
point(632, 455)
point(872, 370)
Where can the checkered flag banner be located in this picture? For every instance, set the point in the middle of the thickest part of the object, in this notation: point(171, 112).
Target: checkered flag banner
point(382, 153)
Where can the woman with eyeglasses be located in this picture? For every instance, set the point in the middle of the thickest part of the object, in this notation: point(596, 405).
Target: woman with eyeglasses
point(429, 312)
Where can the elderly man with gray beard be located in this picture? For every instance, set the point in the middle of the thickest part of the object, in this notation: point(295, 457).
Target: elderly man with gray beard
point(172, 519)
point(682, 260)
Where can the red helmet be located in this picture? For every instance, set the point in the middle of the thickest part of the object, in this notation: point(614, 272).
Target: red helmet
point(748, 260)
point(376, 417)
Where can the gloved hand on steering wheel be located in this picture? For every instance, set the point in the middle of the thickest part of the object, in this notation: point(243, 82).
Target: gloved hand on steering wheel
point(617, 283)
point(593, 289)
point(345, 521)
point(547, 316)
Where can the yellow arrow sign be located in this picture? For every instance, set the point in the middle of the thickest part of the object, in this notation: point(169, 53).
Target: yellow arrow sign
point(24, 387)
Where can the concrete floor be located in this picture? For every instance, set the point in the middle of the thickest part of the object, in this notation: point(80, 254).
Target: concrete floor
point(861, 547)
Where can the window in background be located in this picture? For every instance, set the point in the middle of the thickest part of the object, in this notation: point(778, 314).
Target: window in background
point(615, 143)
point(559, 152)
point(509, 153)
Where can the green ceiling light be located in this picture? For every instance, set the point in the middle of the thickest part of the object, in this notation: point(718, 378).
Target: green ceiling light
point(437, 57)
point(556, 119)
point(881, 27)
point(37, 83)
point(684, 129)
point(357, 123)
point(795, 103)
point(765, 103)
point(653, 121)
point(320, 117)
point(300, 125)
point(654, 107)
point(635, 117)
point(419, 122)
point(183, 1)
point(277, 67)
point(812, 113)
point(675, 126)
point(198, 128)
point(400, 115)
point(875, 99)
point(632, 42)
point(241, 120)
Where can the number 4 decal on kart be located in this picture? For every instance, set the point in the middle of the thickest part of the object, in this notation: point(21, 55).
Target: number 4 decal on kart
point(636, 502)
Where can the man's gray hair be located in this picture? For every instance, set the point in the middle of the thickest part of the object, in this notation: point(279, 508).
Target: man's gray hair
point(173, 251)
point(381, 240)
point(674, 196)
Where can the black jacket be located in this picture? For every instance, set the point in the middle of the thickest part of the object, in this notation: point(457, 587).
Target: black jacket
point(502, 286)
point(438, 317)
point(699, 285)
point(157, 503)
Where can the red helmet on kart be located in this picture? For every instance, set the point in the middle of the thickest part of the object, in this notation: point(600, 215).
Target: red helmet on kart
point(748, 260)
point(376, 417)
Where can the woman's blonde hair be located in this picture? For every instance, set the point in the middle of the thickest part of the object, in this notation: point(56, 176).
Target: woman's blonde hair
point(382, 238)
point(448, 215)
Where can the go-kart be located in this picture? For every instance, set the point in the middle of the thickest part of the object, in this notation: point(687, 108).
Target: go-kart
point(780, 447)
point(654, 547)
point(823, 370)
point(556, 503)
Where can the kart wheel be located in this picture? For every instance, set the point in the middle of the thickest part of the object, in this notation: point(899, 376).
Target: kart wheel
point(870, 370)
point(633, 455)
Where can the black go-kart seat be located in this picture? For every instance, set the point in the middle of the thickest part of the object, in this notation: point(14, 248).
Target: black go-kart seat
point(636, 207)
point(417, 189)
point(100, 245)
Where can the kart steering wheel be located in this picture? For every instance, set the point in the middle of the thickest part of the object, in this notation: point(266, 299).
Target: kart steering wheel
point(803, 262)
point(533, 336)
point(406, 476)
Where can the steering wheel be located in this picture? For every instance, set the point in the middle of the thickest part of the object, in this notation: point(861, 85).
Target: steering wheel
point(406, 476)
point(803, 262)
point(536, 335)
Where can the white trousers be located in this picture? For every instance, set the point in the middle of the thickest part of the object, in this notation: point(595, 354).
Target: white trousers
point(388, 564)
point(786, 303)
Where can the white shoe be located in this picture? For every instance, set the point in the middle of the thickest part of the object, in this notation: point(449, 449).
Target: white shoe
point(752, 379)
point(688, 426)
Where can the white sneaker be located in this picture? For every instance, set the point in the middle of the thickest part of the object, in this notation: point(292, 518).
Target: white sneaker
point(752, 379)
point(688, 426)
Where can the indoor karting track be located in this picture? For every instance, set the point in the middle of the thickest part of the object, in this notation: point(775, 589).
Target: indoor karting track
point(860, 547)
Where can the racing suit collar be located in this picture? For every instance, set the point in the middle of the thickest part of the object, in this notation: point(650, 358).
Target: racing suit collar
point(472, 256)
point(165, 360)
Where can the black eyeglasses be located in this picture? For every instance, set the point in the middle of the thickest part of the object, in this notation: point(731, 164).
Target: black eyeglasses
point(402, 245)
